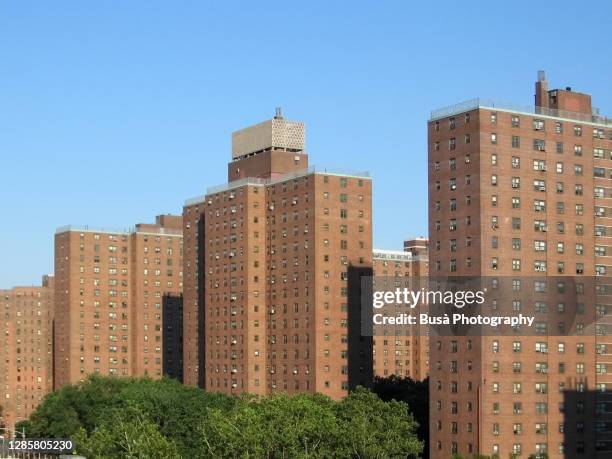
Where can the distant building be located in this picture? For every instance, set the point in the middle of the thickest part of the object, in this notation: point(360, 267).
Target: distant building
point(112, 293)
point(403, 351)
point(26, 364)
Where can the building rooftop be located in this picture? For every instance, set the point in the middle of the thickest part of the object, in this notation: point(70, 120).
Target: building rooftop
point(271, 181)
point(394, 255)
point(473, 104)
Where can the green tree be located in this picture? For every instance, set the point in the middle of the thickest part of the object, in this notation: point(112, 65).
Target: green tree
point(414, 393)
point(372, 428)
point(142, 418)
point(275, 426)
point(126, 434)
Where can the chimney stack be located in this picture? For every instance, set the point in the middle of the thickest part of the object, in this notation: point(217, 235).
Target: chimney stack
point(541, 91)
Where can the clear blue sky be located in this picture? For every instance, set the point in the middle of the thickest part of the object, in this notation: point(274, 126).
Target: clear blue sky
point(114, 111)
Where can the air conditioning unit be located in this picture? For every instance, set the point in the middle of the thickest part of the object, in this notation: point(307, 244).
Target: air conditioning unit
point(271, 207)
point(234, 370)
point(295, 372)
point(272, 310)
point(272, 371)
point(232, 196)
point(233, 312)
point(234, 385)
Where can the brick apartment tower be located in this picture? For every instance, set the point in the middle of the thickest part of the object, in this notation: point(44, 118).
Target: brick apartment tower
point(26, 364)
point(117, 301)
point(402, 351)
point(520, 193)
point(273, 261)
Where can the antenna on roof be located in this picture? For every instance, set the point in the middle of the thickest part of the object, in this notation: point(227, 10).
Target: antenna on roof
point(279, 113)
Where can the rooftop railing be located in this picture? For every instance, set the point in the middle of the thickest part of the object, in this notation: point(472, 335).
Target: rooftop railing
point(125, 231)
point(473, 104)
point(271, 181)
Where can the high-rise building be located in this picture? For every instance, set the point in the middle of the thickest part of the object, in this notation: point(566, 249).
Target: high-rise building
point(273, 262)
point(26, 365)
point(519, 194)
point(113, 293)
point(401, 350)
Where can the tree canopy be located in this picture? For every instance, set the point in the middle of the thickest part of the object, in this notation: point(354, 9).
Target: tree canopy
point(111, 417)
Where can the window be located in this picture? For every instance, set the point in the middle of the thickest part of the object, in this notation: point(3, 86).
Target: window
point(494, 159)
point(538, 125)
point(451, 144)
point(516, 162)
point(559, 147)
point(516, 141)
point(560, 208)
point(539, 145)
point(516, 202)
point(539, 185)
point(493, 138)
point(539, 205)
point(516, 182)
point(559, 168)
point(560, 187)
point(578, 131)
point(516, 121)
point(493, 180)
point(559, 127)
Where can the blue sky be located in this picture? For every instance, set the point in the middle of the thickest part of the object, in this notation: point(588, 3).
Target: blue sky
point(114, 111)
